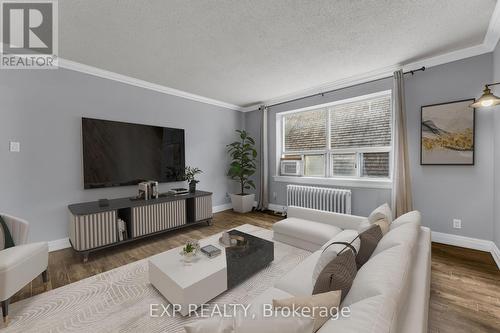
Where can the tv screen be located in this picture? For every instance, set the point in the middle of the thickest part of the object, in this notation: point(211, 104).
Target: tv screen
point(119, 154)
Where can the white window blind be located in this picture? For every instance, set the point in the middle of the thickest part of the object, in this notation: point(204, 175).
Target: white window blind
point(361, 124)
point(351, 139)
point(306, 130)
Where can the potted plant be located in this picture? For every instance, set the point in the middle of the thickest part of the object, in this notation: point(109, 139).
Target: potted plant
point(189, 174)
point(243, 165)
point(190, 250)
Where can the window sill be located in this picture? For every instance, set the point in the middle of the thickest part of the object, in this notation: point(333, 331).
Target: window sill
point(344, 182)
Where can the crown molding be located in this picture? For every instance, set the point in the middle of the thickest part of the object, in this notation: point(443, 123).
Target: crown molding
point(79, 67)
point(493, 34)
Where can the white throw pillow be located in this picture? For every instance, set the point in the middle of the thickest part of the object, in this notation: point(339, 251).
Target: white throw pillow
point(211, 325)
point(315, 304)
point(330, 251)
point(410, 217)
point(280, 321)
point(382, 212)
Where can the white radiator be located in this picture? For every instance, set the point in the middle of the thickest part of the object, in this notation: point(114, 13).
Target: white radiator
point(320, 198)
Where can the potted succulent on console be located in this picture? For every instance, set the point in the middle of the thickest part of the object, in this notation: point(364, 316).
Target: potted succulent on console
point(189, 174)
point(243, 165)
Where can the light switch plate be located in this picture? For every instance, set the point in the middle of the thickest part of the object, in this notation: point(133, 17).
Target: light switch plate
point(15, 147)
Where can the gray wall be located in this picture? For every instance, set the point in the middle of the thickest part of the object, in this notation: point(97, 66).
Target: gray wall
point(43, 108)
point(496, 112)
point(441, 193)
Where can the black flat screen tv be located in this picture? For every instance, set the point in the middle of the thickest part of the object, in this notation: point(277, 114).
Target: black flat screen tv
point(119, 154)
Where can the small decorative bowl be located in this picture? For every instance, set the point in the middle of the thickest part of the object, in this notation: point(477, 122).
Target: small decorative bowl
point(240, 240)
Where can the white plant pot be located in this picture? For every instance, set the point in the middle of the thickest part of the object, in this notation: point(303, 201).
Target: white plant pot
point(242, 203)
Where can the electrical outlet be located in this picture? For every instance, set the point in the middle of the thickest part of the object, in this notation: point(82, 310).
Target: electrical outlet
point(457, 224)
point(15, 147)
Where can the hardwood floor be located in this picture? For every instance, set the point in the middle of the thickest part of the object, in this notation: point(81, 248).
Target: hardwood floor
point(465, 287)
point(465, 291)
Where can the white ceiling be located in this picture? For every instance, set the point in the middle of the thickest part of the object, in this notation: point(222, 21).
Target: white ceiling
point(246, 52)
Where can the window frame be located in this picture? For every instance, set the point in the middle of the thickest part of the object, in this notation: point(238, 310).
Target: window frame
point(354, 181)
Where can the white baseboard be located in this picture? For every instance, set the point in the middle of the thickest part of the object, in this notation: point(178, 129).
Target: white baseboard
point(277, 208)
point(59, 244)
point(220, 208)
point(468, 243)
point(495, 252)
point(462, 241)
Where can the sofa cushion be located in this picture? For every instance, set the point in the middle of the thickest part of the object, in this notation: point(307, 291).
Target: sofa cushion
point(255, 321)
point(298, 282)
point(332, 248)
point(370, 315)
point(384, 274)
point(369, 240)
point(382, 212)
point(343, 221)
point(210, 325)
point(339, 274)
point(405, 234)
point(17, 255)
point(384, 225)
point(329, 300)
point(19, 265)
point(296, 242)
point(411, 217)
point(278, 322)
point(313, 232)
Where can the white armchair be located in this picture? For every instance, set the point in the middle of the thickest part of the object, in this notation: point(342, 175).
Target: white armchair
point(20, 264)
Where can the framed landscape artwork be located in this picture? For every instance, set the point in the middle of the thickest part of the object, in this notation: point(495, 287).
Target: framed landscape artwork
point(447, 133)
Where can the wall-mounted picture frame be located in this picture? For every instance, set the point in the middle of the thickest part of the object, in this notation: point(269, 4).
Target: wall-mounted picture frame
point(447, 133)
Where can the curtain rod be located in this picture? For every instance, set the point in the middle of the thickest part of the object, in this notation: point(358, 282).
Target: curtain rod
point(337, 89)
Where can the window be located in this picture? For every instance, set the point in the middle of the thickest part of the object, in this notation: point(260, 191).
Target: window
point(350, 139)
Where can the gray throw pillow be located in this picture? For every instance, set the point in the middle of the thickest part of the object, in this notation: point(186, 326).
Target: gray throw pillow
point(369, 241)
point(339, 274)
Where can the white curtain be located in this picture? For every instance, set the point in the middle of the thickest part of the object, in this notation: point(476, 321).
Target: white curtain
point(401, 188)
point(264, 163)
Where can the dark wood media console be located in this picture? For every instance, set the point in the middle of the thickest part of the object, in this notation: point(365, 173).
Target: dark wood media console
point(93, 227)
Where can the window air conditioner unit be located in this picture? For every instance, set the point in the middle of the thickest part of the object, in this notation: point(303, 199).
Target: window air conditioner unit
point(291, 167)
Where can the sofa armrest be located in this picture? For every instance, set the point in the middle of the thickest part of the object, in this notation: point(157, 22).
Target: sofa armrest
point(342, 221)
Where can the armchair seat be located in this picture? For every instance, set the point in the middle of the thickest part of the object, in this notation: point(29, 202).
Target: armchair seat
point(19, 265)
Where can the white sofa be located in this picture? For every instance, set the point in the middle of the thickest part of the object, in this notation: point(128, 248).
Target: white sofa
point(20, 264)
point(390, 292)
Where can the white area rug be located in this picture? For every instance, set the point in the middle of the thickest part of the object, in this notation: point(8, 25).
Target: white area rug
point(119, 300)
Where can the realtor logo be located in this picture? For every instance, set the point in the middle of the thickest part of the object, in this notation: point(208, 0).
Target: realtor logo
point(29, 34)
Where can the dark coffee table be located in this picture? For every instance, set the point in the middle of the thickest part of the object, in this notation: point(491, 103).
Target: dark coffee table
point(244, 261)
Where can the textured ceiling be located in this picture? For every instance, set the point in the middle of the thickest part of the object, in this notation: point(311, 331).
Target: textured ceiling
point(244, 52)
